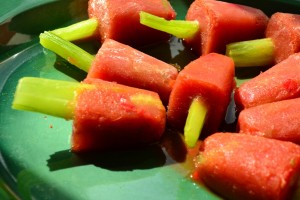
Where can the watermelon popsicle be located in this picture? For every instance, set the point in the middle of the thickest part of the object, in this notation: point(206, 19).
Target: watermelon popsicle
point(239, 166)
point(201, 95)
point(210, 25)
point(106, 115)
point(280, 82)
point(119, 63)
point(119, 20)
point(277, 120)
point(282, 39)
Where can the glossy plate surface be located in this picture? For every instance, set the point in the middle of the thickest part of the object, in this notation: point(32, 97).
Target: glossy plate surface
point(35, 161)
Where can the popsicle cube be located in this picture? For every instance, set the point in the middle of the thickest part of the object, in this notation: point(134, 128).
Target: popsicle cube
point(222, 23)
point(277, 120)
point(116, 116)
point(106, 115)
point(279, 82)
point(209, 78)
point(119, 20)
point(284, 30)
point(117, 62)
point(240, 166)
point(125, 65)
point(282, 39)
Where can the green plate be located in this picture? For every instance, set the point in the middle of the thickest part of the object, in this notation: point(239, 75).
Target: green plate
point(35, 161)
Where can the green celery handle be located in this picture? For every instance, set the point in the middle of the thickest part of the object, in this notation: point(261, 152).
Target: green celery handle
point(259, 52)
point(78, 31)
point(194, 122)
point(52, 97)
point(69, 51)
point(179, 28)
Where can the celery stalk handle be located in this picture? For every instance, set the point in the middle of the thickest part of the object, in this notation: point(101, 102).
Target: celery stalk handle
point(69, 51)
point(52, 97)
point(179, 28)
point(259, 52)
point(78, 31)
point(194, 122)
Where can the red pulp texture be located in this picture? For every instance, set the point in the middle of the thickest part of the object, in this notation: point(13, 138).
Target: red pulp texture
point(240, 166)
point(125, 65)
point(222, 23)
point(284, 30)
point(119, 20)
point(113, 117)
point(280, 82)
point(278, 120)
point(210, 78)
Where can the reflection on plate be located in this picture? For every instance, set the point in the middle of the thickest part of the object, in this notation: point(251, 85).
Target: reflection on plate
point(35, 159)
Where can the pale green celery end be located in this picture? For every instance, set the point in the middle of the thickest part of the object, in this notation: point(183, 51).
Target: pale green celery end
point(178, 28)
point(51, 97)
point(78, 31)
point(69, 51)
point(194, 122)
point(259, 52)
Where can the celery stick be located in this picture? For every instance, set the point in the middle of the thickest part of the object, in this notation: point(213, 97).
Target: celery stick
point(259, 52)
point(69, 51)
point(77, 31)
point(194, 123)
point(179, 28)
point(52, 97)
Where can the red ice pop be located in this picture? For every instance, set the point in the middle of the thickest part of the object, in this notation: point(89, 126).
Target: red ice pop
point(277, 120)
point(280, 82)
point(123, 64)
point(219, 23)
point(119, 63)
point(240, 166)
point(106, 115)
point(119, 20)
point(116, 116)
point(282, 39)
point(222, 23)
point(209, 80)
point(284, 30)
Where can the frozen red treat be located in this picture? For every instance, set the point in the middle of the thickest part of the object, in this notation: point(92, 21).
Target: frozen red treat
point(123, 64)
point(284, 30)
point(119, 20)
point(280, 82)
point(222, 23)
point(240, 166)
point(209, 78)
point(111, 116)
point(277, 120)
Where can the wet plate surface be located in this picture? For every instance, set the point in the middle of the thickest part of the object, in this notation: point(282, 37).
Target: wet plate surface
point(35, 159)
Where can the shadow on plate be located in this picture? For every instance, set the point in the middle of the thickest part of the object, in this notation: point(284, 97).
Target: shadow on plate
point(146, 158)
point(66, 68)
point(170, 150)
point(245, 73)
